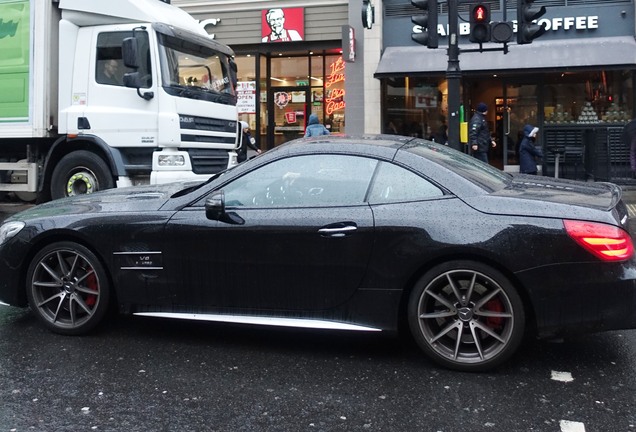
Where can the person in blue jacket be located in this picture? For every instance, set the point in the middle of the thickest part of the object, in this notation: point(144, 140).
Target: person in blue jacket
point(528, 151)
point(314, 128)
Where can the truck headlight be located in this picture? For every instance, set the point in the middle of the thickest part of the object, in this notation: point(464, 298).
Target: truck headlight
point(9, 229)
point(171, 160)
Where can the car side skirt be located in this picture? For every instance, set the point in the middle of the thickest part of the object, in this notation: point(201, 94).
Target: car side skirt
point(268, 321)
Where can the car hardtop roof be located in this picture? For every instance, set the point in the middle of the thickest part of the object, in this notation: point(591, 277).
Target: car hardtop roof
point(373, 141)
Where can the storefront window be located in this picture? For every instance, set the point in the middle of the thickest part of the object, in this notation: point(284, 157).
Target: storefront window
point(599, 97)
point(416, 107)
point(334, 100)
point(288, 71)
point(317, 86)
point(277, 97)
point(246, 90)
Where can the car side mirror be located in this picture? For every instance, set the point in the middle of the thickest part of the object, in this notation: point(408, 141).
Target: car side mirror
point(215, 205)
point(215, 210)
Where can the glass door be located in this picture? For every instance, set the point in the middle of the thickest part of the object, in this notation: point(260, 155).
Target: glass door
point(290, 112)
point(517, 107)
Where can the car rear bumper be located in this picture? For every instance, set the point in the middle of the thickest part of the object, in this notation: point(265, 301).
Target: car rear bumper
point(582, 297)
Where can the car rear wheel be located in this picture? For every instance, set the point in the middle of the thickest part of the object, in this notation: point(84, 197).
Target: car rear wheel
point(67, 288)
point(466, 316)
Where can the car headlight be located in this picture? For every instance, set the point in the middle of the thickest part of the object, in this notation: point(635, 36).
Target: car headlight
point(9, 229)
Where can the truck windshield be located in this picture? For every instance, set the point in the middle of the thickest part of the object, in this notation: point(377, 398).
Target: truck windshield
point(192, 70)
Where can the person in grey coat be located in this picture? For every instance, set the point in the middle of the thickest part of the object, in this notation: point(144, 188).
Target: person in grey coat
point(528, 151)
point(314, 128)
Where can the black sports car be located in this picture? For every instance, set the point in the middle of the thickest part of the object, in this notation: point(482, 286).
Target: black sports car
point(350, 233)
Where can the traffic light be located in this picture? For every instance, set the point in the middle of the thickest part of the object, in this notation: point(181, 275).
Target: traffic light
point(427, 20)
point(480, 23)
point(527, 30)
point(501, 31)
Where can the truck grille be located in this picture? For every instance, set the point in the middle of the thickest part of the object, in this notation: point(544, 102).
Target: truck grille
point(208, 161)
point(198, 130)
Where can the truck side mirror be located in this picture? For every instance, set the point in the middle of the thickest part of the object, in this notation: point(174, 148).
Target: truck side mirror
point(129, 52)
point(134, 80)
point(233, 73)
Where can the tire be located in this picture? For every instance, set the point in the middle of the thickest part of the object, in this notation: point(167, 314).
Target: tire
point(80, 172)
point(472, 303)
point(67, 288)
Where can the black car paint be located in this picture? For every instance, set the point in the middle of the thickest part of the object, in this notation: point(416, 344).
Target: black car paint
point(172, 248)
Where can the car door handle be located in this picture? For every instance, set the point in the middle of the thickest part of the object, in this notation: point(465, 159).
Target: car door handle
point(337, 231)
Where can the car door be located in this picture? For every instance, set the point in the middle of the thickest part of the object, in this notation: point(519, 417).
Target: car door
point(301, 239)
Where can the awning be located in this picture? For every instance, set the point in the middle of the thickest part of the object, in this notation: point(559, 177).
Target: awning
point(553, 54)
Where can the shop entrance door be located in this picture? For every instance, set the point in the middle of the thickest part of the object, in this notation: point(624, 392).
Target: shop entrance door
point(517, 107)
point(289, 113)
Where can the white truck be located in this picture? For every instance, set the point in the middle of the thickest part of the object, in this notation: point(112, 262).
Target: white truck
point(96, 94)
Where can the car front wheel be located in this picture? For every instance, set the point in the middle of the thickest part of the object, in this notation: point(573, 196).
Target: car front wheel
point(466, 316)
point(67, 288)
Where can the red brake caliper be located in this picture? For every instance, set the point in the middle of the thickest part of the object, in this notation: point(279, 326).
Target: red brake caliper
point(494, 305)
point(91, 282)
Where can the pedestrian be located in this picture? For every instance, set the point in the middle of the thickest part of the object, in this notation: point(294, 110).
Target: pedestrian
point(479, 134)
point(247, 140)
point(314, 128)
point(528, 151)
point(442, 135)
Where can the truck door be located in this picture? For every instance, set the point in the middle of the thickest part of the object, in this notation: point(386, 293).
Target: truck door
point(118, 114)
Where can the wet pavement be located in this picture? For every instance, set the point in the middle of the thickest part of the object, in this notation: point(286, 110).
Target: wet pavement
point(141, 374)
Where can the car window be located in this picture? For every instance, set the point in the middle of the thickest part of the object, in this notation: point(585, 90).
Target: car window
point(467, 166)
point(394, 183)
point(305, 181)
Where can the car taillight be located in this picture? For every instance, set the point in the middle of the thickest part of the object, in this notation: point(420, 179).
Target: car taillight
point(608, 242)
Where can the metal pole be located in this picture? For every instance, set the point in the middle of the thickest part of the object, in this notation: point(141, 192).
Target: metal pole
point(453, 76)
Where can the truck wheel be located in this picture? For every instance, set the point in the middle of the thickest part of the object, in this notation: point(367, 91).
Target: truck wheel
point(79, 173)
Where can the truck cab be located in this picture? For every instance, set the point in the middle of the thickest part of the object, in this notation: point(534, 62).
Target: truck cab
point(144, 95)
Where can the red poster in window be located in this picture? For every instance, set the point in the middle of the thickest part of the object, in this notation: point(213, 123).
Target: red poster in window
point(283, 24)
point(290, 116)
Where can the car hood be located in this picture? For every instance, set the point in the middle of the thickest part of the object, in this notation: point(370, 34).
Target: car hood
point(548, 197)
point(122, 200)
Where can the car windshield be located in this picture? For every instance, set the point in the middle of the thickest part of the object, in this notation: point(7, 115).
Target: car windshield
point(470, 168)
point(188, 68)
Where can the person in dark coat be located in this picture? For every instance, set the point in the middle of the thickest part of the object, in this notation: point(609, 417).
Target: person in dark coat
point(528, 151)
point(247, 140)
point(314, 128)
point(479, 134)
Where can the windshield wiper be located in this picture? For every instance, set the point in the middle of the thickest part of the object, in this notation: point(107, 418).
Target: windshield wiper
point(195, 92)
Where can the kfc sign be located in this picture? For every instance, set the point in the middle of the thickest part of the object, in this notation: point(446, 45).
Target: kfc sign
point(283, 25)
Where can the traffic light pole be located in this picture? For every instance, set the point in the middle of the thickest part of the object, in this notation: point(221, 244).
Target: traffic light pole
point(453, 76)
